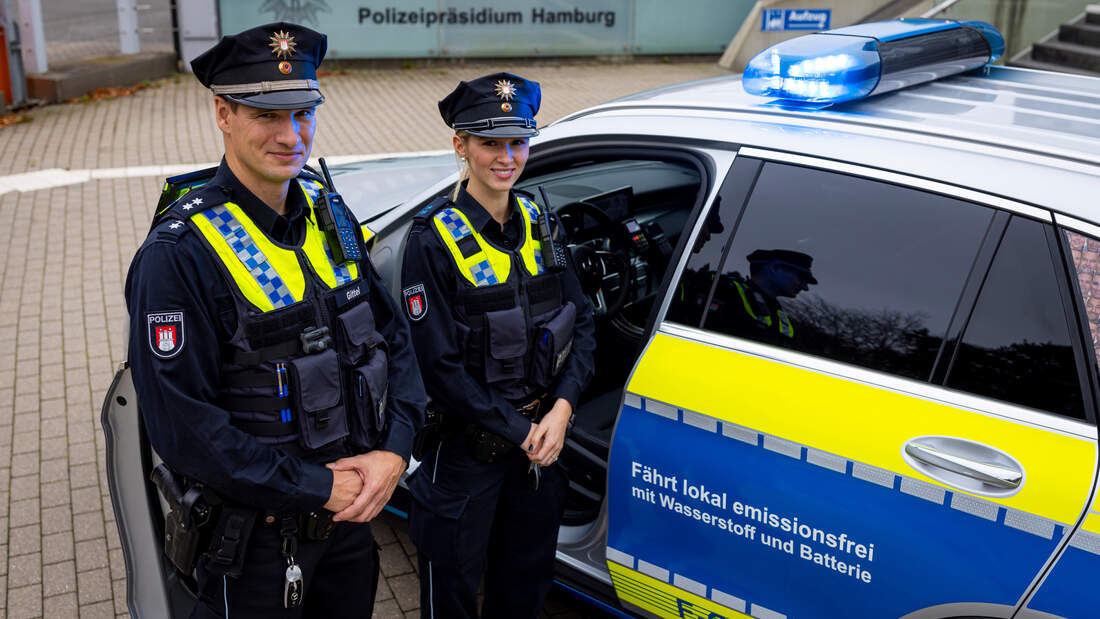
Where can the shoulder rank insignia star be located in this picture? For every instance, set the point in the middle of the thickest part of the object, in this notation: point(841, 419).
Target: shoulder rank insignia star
point(505, 90)
point(282, 44)
point(175, 224)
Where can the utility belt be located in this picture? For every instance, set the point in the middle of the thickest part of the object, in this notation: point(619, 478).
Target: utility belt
point(484, 446)
point(200, 523)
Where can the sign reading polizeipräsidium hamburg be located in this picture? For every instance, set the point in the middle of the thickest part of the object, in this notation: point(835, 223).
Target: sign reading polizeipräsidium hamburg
point(503, 28)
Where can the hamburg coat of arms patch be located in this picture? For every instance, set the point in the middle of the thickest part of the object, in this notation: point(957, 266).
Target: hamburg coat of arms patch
point(165, 331)
point(416, 303)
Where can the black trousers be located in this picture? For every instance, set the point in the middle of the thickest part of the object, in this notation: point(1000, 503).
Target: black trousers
point(340, 575)
point(469, 519)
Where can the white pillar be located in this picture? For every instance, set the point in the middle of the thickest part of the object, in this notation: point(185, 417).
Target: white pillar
point(15, 62)
point(198, 24)
point(31, 38)
point(128, 27)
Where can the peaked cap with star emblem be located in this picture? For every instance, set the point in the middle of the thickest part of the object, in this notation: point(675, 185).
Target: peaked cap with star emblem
point(272, 67)
point(500, 105)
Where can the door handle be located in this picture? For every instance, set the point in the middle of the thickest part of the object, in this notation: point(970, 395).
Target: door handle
point(968, 459)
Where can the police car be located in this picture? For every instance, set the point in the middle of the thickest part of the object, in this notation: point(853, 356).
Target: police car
point(847, 362)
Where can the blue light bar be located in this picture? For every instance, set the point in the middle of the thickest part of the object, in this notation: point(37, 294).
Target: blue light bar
point(868, 59)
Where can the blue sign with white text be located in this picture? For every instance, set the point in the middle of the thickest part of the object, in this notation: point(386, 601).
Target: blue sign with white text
point(767, 522)
point(795, 19)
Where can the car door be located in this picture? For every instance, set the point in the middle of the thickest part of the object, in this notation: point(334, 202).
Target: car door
point(916, 442)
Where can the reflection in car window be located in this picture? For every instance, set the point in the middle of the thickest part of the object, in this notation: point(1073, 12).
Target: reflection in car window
point(847, 268)
point(1016, 346)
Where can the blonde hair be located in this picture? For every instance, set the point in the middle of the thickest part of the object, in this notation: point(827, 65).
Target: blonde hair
point(463, 174)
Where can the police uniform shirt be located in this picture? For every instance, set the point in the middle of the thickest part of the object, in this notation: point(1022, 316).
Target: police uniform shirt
point(175, 271)
point(429, 263)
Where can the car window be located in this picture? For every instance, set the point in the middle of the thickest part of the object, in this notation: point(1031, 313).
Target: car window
point(848, 268)
point(1016, 345)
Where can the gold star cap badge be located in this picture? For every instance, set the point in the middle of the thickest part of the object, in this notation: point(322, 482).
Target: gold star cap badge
point(282, 44)
point(505, 90)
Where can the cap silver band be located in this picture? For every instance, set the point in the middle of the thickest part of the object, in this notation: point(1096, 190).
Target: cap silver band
point(490, 123)
point(243, 89)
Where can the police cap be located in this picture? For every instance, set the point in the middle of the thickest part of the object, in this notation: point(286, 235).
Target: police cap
point(272, 67)
point(501, 105)
point(793, 259)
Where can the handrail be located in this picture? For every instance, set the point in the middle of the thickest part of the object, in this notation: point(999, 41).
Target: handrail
point(939, 8)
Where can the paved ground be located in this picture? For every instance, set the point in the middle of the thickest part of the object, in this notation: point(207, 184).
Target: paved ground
point(64, 251)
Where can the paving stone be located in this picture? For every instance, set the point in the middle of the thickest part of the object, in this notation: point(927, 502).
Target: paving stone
point(393, 561)
point(55, 493)
point(387, 609)
point(23, 512)
point(59, 578)
point(58, 547)
point(25, 540)
point(56, 469)
point(93, 586)
point(383, 591)
point(118, 588)
point(88, 526)
point(25, 569)
point(91, 554)
point(24, 464)
point(86, 499)
point(406, 590)
point(56, 519)
point(100, 610)
point(26, 487)
point(54, 448)
point(83, 475)
point(61, 606)
point(118, 564)
point(82, 453)
point(25, 602)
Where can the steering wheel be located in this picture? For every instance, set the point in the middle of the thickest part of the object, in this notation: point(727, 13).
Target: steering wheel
point(595, 265)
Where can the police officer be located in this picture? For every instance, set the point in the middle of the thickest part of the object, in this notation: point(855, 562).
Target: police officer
point(752, 304)
point(505, 340)
point(275, 374)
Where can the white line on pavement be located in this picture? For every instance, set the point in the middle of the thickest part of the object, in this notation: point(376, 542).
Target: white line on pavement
point(58, 177)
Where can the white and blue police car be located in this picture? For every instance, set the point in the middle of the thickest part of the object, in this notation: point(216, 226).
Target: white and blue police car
point(848, 314)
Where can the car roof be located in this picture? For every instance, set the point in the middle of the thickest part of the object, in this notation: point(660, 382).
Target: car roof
point(1036, 126)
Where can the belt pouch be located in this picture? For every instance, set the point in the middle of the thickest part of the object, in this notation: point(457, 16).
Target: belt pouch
point(316, 387)
point(553, 343)
point(485, 446)
point(369, 389)
point(227, 554)
point(317, 525)
point(507, 345)
point(358, 335)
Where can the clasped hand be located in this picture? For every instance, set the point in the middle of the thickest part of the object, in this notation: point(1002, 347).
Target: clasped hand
point(547, 437)
point(361, 485)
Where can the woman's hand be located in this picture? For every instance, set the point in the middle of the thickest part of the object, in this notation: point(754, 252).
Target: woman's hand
point(549, 434)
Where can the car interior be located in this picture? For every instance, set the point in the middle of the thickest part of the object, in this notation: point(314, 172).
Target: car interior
point(624, 214)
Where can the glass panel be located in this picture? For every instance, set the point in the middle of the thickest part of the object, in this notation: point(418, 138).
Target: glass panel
point(847, 268)
point(1016, 346)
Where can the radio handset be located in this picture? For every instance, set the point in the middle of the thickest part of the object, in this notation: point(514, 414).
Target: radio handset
point(339, 230)
point(553, 254)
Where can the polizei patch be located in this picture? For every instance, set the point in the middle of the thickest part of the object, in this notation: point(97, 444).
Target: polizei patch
point(165, 333)
point(416, 302)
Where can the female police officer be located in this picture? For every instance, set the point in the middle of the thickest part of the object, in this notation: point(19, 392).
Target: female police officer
point(504, 337)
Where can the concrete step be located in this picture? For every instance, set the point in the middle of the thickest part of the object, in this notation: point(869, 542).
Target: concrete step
point(1067, 54)
point(66, 82)
point(1092, 14)
point(1029, 63)
point(1081, 34)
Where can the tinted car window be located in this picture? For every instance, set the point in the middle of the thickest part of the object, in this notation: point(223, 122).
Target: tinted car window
point(1016, 346)
point(856, 270)
point(1086, 263)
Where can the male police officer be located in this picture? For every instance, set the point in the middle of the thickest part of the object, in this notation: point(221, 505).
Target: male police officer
point(264, 349)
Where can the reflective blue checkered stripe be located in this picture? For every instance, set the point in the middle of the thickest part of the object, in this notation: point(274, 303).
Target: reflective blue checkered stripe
point(250, 255)
point(341, 271)
point(481, 271)
point(533, 212)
